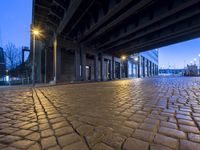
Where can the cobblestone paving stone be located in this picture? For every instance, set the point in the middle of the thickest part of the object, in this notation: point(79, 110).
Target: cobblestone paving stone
point(138, 114)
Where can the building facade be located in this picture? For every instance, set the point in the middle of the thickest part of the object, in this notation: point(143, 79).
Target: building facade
point(143, 64)
point(191, 70)
point(168, 72)
point(74, 64)
point(2, 63)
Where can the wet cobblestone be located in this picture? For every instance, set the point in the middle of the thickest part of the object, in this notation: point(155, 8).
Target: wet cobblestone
point(138, 114)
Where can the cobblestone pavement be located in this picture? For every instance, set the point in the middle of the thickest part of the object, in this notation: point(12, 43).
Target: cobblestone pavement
point(139, 114)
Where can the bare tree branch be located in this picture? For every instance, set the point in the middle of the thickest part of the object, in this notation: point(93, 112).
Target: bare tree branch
point(13, 56)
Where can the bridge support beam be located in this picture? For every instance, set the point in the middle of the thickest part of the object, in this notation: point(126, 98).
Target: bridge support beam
point(113, 68)
point(102, 67)
point(57, 59)
point(83, 64)
point(96, 67)
point(77, 64)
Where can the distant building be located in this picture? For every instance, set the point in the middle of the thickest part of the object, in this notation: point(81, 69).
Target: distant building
point(2, 63)
point(171, 71)
point(192, 70)
point(143, 64)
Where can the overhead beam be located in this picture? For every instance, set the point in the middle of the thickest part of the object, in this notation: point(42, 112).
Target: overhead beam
point(81, 17)
point(69, 14)
point(172, 12)
point(54, 14)
point(42, 6)
point(132, 11)
point(58, 4)
point(156, 41)
point(110, 14)
point(165, 42)
point(169, 37)
point(164, 25)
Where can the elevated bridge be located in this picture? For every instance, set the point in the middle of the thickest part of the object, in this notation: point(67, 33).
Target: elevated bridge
point(114, 27)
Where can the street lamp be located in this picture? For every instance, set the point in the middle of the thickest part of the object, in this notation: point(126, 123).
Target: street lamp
point(195, 61)
point(123, 58)
point(35, 33)
point(199, 64)
point(136, 58)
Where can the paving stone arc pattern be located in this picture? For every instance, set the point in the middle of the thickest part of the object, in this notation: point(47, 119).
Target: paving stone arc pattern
point(138, 114)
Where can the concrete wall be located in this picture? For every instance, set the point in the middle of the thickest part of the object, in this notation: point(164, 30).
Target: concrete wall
point(68, 65)
point(90, 64)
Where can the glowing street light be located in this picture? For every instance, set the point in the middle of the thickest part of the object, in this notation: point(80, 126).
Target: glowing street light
point(195, 61)
point(35, 32)
point(199, 64)
point(136, 58)
point(123, 57)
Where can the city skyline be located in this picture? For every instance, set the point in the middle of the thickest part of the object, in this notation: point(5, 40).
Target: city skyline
point(178, 55)
point(20, 12)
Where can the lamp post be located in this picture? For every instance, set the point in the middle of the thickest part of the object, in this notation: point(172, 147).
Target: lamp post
point(199, 64)
point(136, 68)
point(35, 33)
point(195, 61)
point(123, 58)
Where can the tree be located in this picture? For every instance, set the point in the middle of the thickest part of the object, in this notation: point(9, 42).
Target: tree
point(13, 56)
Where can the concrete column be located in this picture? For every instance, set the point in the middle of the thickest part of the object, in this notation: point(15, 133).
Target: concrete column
point(77, 64)
point(45, 67)
point(113, 68)
point(144, 66)
point(156, 69)
point(120, 70)
point(96, 67)
point(58, 63)
point(110, 69)
point(150, 69)
point(153, 69)
point(83, 64)
point(138, 67)
point(57, 59)
point(126, 68)
point(147, 68)
point(102, 67)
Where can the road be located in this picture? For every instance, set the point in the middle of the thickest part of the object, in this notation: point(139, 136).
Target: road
point(137, 114)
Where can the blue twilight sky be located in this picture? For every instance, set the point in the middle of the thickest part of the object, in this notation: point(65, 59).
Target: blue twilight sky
point(180, 54)
point(15, 21)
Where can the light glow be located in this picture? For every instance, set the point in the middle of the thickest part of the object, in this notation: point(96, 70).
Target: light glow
point(36, 31)
point(7, 78)
point(123, 57)
point(136, 58)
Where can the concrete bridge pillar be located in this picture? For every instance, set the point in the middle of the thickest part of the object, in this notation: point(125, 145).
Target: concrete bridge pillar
point(77, 64)
point(147, 68)
point(113, 68)
point(57, 58)
point(96, 67)
point(102, 67)
point(139, 66)
point(110, 69)
point(83, 64)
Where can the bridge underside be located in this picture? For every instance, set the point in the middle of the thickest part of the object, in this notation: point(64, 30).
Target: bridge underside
point(115, 27)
